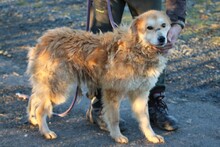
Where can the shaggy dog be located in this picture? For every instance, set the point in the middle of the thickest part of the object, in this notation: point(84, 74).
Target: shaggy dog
point(124, 63)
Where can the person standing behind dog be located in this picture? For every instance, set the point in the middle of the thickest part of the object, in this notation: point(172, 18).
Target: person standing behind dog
point(99, 20)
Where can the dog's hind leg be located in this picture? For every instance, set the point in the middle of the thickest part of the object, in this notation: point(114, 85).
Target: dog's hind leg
point(139, 104)
point(42, 111)
point(50, 93)
point(33, 103)
point(111, 103)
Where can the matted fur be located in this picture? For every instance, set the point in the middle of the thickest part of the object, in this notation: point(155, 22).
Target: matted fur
point(124, 63)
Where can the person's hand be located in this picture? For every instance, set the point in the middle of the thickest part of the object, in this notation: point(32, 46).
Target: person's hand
point(172, 37)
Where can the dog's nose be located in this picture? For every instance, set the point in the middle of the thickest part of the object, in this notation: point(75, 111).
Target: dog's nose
point(161, 39)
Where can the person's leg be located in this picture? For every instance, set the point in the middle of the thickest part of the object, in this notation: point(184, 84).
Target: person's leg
point(99, 18)
point(157, 107)
point(99, 21)
point(138, 7)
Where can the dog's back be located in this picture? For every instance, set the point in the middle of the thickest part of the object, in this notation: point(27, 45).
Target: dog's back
point(51, 67)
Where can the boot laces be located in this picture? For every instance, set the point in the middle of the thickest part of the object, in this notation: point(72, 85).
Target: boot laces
point(160, 105)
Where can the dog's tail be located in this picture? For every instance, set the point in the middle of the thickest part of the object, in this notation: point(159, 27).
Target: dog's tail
point(31, 56)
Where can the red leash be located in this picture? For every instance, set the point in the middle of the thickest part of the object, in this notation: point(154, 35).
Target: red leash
point(89, 4)
point(113, 24)
point(70, 107)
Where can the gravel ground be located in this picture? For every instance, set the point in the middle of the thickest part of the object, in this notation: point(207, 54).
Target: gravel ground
point(193, 78)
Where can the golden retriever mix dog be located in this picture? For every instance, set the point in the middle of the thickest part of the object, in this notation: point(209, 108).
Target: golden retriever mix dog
point(124, 63)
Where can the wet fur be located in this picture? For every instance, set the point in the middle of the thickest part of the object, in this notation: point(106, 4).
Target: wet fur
point(119, 62)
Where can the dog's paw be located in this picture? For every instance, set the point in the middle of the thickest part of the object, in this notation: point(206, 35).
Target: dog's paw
point(33, 121)
point(50, 135)
point(156, 139)
point(121, 139)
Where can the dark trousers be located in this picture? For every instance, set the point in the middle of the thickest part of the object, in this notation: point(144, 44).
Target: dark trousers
point(99, 20)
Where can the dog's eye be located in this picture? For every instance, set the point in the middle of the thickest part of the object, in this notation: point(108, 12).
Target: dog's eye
point(150, 28)
point(163, 25)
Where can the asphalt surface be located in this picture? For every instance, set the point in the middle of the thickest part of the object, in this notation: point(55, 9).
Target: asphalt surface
point(193, 83)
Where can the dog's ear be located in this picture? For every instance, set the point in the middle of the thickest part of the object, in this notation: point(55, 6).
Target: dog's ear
point(134, 25)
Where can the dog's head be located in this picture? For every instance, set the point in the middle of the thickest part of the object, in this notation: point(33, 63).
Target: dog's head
point(151, 28)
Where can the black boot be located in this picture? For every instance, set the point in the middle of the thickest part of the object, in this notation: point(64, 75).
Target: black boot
point(158, 110)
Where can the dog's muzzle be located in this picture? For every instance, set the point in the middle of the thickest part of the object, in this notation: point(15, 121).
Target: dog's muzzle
point(161, 40)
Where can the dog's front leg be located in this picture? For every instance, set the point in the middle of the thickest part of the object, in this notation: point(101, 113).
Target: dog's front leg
point(111, 104)
point(139, 104)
